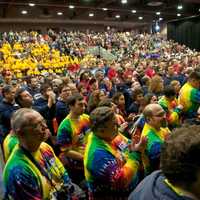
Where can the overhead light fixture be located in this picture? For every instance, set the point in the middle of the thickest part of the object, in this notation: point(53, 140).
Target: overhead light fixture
point(179, 7)
point(160, 19)
point(140, 18)
point(133, 11)
point(91, 14)
point(71, 6)
point(104, 9)
point(59, 13)
point(199, 9)
point(31, 4)
point(117, 16)
point(178, 14)
point(124, 1)
point(24, 12)
point(157, 27)
point(157, 13)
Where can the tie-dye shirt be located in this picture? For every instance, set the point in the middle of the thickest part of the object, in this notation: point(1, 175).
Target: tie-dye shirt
point(110, 169)
point(73, 135)
point(155, 139)
point(189, 98)
point(23, 180)
point(172, 112)
point(8, 144)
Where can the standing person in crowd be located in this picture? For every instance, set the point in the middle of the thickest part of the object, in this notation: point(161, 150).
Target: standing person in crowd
point(189, 96)
point(180, 168)
point(170, 105)
point(48, 98)
point(156, 132)
point(156, 86)
point(72, 137)
point(138, 101)
point(177, 86)
point(169, 76)
point(33, 171)
point(111, 166)
point(7, 108)
point(62, 109)
point(33, 87)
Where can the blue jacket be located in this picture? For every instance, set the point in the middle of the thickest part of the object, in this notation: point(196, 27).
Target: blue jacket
point(153, 187)
point(62, 110)
point(6, 111)
point(41, 105)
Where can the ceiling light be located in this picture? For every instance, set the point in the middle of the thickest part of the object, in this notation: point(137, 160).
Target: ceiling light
point(157, 13)
point(157, 27)
point(31, 4)
point(117, 16)
point(104, 9)
point(179, 7)
point(59, 13)
point(140, 18)
point(91, 14)
point(24, 12)
point(133, 11)
point(178, 14)
point(199, 9)
point(124, 1)
point(71, 6)
point(160, 19)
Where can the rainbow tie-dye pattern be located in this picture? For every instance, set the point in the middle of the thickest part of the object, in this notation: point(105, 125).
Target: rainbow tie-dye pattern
point(189, 98)
point(155, 139)
point(73, 135)
point(110, 169)
point(9, 144)
point(172, 112)
point(23, 180)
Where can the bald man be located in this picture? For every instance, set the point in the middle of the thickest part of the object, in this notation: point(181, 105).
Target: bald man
point(156, 132)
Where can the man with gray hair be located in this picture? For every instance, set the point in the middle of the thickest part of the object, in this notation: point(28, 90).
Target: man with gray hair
point(32, 170)
point(156, 131)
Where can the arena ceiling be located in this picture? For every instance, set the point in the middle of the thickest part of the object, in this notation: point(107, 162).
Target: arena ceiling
point(98, 11)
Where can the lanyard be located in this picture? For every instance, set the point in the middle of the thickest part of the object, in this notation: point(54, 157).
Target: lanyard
point(43, 172)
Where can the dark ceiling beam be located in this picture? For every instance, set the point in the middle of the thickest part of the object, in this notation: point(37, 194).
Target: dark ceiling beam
point(86, 22)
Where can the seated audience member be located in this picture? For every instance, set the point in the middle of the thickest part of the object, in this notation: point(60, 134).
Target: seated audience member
point(170, 105)
point(32, 170)
point(72, 136)
point(189, 95)
point(7, 108)
point(178, 178)
point(111, 166)
point(156, 132)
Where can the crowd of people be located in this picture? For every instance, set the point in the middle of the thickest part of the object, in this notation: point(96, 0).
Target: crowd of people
point(76, 124)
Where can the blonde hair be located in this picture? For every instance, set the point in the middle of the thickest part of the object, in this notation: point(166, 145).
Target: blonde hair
point(154, 86)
